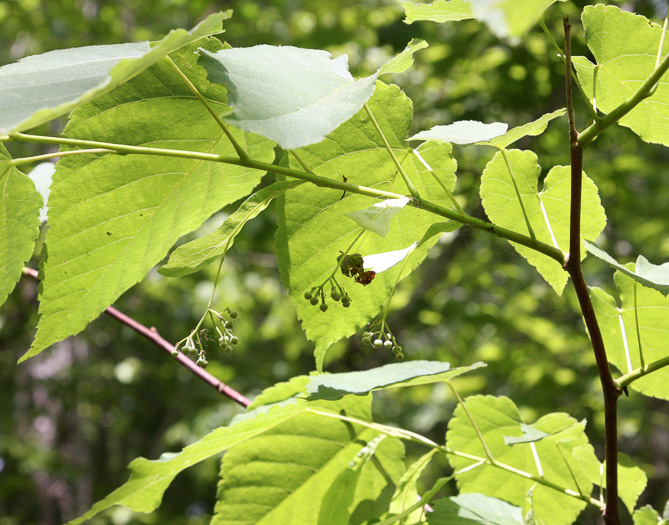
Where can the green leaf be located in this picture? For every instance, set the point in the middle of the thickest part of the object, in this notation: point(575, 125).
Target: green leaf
point(19, 222)
point(311, 93)
point(497, 417)
point(406, 493)
point(647, 516)
point(377, 217)
point(311, 231)
point(547, 210)
point(631, 479)
point(394, 375)
point(39, 88)
point(463, 132)
point(619, 330)
point(280, 392)
point(530, 435)
point(646, 273)
point(112, 217)
point(531, 129)
point(199, 253)
point(503, 17)
point(144, 490)
point(474, 508)
point(284, 475)
point(625, 48)
point(404, 60)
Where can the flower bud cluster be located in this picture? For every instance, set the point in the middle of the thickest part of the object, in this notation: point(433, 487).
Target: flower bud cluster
point(337, 293)
point(196, 344)
point(378, 339)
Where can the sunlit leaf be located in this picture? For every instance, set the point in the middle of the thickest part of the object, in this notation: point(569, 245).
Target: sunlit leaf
point(404, 60)
point(531, 129)
point(42, 87)
point(463, 132)
point(468, 509)
point(647, 516)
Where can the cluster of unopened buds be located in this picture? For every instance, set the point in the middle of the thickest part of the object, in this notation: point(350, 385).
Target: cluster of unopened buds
point(337, 293)
point(196, 344)
point(379, 339)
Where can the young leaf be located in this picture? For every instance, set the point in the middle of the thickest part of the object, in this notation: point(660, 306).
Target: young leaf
point(40, 88)
point(475, 508)
point(404, 60)
point(280, 392)
point(377, 217)
point(112, 217)
point(19, 222)
point(531, 129)
point(394, 375)
point(497, 417)
point(406, 493)
point(619, 329)
point(646, 273)
point(547, 210)
point(463, 132)
point(440, 11)
point(625, 47)
point(197, 254)
point(312, 233)
point(311, 93)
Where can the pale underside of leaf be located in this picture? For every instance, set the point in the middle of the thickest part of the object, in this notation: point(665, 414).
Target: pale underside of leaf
point(531, 129)
point(42, 87)
point(463, 132)
point(471, 509)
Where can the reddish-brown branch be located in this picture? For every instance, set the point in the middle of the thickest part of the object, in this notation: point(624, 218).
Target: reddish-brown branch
point(573, 266)
point(152, 335)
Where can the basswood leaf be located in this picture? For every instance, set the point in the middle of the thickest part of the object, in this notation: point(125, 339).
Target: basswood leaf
point(144, 490)
point(40, 88)
point(618, 324)
point(547, 210)
point(404, 60)
point(377, 217)
point(463, 132)
point(112, 217)
point(19, 222)
point(625, 48)
point(647, 516)
point(394, 375)
point(497, 417)
point(531, 129)
point(312, 233)
point(406, 493)
point(311, 93)
point(283, 475)
point(197, 254)
point(646, 273)
point(468, 509)
point(280, 392)
point(505, 18)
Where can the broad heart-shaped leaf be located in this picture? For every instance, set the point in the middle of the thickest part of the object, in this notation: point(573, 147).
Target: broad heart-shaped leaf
point(646, 273)
point(547, 210)
point(647, 516)
point(404, 60)
point(197, 254)
point(625, 47)
point(42, 87)
point(497, 417)
point(621, 339)
point(469, 509)
point(505, 18)
point(113, 217)
point(394, 375)
point(283, 475)
point(19, 222)
point(310, 94)
point(144, 490)
point(312, 230)
point(463, 132)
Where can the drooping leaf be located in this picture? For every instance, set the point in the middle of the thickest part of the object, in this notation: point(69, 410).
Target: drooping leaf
point(647, 516)
point(40, 88)
point(394, 375)
point(377, 217)
point(625, 48)
point(463, 132)
point(311, 93)
point(283, 475)
point(406, 493)
point(475, 508)
point(311, 231)
point(197, 254)
point(619, 329)
point(646, 273)
point(547, 210)
point(531, 129)
point(112, 217)
point(404, 60)
point(144, 490)
point(497, 417)
point(19, 222)
point(505, 18)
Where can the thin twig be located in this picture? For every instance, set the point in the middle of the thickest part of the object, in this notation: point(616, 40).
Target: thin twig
point(152, 335)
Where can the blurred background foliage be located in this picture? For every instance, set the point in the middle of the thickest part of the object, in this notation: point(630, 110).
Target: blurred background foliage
point(75, 416)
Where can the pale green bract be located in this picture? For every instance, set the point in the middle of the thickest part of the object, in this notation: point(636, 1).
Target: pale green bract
point(497, 417)
point(547, 210)
point(406, 492)
point(39, 88)
point(531, 129)
point(625, 47)
point(19, 222)
point(106, 232)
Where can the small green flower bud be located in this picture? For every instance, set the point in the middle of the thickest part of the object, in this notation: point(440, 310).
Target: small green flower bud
point(345, 301)
point(174, 352)
point(234, 340)
point(323, 307)
point(233, 314)
point(399, 356)
point(366, 341)
point(229, 325)
point(378, 343)
point(388, 345)
point(228, 349)
point(335, 295)
point(202, 362)
point(314, 301)
point(308, 296)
